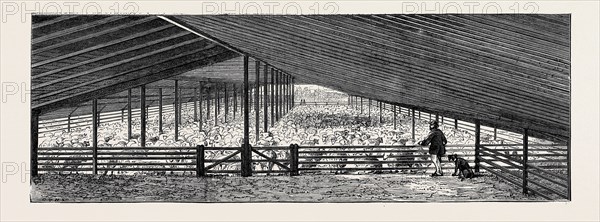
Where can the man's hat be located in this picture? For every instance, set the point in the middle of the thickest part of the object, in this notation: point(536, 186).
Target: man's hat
point(434, 123)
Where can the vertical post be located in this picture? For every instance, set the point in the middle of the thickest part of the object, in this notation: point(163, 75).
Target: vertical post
point(569, 168)
point(128, 114)
point(143, 115)
point(176, 107)
point(273, 94)
point(217, 105)
point(525, 157)
point(369, 109)
point(361, 105)
point(287, 94)
point(437, 117)
point(293, 92)
point(394, 107)
point(294, 160)
point(226, 98)
point(277, 96)
point(35, 117)
point(69, 121)
point(256, 103)
point(280, 105)
point(419, 114)
point(195, 104)
point(235, 101)
point(413, 124)
point(200, 97)
point(180, 107)
point(455, 124)
point(200, 171)
point(207, 104)
point(380, 115)
point(265, 98)
point(246, 152)
point(495, 133)
point(95, 136)
point(160, 110)
point(477, 142)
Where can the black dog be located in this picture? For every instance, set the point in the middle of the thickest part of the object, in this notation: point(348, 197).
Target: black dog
point(461, 166)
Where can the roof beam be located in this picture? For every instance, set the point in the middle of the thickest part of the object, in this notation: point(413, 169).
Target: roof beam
point(100, 46)
point(76, 29)
point(93, 35)
point(206, 58)
point(109, 55)
point(104, 67)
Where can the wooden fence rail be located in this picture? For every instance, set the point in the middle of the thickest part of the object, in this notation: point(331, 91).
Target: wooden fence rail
point(546, 177)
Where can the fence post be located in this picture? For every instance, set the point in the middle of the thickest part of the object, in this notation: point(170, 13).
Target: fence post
point(95, 136)
point(294, 160)
point(200, 171)
point(569, 168)
point(525, 151)
point(35, 117)
point(477, 141)
point(246, 164)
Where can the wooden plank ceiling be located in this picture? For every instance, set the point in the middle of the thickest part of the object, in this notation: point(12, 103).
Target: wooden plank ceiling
point(76, 59)
point(508, 71)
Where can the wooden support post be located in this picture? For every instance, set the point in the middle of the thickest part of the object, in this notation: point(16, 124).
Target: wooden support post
point(495, 133)
point(246, 152)
point(569, 169)
point(226, 98)
point(180, 107)
point(442, 120)
point(293, 92)
point(477, 143)
point(195, 105)
point(369, 109)
point(380, 112)
point(361, 105)
point(419, 114)
point(265, 98)
point(280, 105)
point(200, 170)
point(413, 124)
point(217, 106)
point(69, 121)
point(525, 157)
point(200, 98)
point(35, 120)
point(273, 94)
point(95, 136)
point(129, 114)
point(176, 107)
point(277, 95)
point(143, 112)
point(256, 103)
point(455, 124)
point(437, 117)
point(394, 107)
point(235, 101)
point(160, 111)
point(207, 104)
point(294, 160)
point(287, 94)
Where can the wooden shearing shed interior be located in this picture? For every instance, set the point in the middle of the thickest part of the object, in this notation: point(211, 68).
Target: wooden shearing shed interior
point(501, 79)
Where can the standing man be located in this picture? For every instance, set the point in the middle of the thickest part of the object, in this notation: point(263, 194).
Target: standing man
point(437, 146)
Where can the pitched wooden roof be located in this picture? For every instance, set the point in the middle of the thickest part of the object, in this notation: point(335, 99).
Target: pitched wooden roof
point(508, 71)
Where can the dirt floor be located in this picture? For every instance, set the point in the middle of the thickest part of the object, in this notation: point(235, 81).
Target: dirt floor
point(304, 188)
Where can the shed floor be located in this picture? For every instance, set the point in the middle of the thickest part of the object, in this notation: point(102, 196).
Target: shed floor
point(304, 188)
